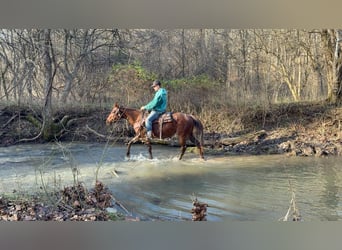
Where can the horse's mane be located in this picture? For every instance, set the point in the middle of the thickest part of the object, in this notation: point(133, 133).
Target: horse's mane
point(129, 109)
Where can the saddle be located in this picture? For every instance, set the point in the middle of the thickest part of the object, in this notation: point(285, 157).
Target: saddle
point(163, 118)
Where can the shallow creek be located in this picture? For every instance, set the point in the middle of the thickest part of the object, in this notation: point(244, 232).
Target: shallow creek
point(238, 188)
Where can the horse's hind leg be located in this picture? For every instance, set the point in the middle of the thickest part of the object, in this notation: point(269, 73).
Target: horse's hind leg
point(198, 144)
point(183, 148)
point(181, 141)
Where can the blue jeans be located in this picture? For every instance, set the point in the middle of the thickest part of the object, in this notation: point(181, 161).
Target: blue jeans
point(150, 118)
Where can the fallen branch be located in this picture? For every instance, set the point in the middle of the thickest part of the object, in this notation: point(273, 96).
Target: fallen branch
point(255, 136)
point(98, 134)
point(9, 121)
point(122, 206)
point(114, 173)
point(295, 212)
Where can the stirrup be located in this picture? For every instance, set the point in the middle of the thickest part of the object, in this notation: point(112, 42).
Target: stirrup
point(149, 135)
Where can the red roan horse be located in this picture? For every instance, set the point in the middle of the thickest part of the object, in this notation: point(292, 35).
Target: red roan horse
point(184, 125)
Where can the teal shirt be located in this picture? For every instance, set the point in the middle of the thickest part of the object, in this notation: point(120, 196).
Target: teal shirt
point(159, 101)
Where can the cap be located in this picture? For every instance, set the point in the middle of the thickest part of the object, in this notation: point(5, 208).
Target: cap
point(155, 83)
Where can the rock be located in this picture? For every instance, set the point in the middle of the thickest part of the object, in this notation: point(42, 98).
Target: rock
point(111, 210)
point(286, 147)
point(28, 218)
point(319, 151)
point(308, 151)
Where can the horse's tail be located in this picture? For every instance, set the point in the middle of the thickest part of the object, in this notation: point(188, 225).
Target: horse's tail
point(198, 130)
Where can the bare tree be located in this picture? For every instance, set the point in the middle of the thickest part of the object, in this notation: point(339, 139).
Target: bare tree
point(78, 48)
point(283, 64)
point(336, 50)
point(47, 53)
point(19, 56)
point(4, 67)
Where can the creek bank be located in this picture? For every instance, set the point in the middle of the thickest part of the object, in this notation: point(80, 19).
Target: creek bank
point(292, 129)
point(291, 143)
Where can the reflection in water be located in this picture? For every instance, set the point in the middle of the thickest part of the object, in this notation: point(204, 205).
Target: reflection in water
point(252, 188)
point(330, 193)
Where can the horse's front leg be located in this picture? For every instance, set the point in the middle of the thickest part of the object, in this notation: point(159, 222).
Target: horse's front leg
point(135, 139)
point(148, 144)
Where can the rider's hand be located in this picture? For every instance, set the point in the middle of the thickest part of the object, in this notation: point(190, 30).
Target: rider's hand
point(142, 108)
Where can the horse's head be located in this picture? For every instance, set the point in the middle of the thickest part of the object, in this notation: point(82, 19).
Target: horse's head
point(115, 114)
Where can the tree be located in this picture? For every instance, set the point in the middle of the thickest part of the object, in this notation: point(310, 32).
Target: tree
point(47, 51)
point(335, 96)
point(78, 48)
point(17, 57)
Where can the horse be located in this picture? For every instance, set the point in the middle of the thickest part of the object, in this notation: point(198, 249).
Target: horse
point(185, 126)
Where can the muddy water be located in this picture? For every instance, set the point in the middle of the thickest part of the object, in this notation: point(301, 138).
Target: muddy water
point(238, 188)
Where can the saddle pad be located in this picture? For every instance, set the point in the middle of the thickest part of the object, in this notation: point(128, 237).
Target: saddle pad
point(166, 117)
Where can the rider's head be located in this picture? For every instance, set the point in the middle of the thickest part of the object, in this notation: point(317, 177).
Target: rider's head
point(156, 84)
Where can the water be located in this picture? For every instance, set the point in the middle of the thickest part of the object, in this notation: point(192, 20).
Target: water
point(236, 188)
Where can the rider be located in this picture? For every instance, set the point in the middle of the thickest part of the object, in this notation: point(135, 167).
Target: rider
point(157, 106)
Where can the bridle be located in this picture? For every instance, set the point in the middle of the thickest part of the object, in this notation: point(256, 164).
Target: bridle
point(119, 113)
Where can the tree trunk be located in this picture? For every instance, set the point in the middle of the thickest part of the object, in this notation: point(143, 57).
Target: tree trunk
point(48, 131)
point(4, 84)
point(332, 40)
point(183, 53)
point(336, 97)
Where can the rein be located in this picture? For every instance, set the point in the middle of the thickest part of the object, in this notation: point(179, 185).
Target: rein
point(120, 112)
point(137, 125)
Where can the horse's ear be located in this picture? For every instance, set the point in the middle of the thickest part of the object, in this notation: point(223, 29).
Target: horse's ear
point(116, 105)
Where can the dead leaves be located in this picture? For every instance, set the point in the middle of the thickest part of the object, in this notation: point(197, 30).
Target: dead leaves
point(199, 211)
point(74, 203)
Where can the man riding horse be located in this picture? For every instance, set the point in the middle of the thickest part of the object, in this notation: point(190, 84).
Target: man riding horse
point(157, 106)
point(184, 126)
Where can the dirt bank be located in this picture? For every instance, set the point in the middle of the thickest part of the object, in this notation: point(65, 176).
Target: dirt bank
point(292, 129)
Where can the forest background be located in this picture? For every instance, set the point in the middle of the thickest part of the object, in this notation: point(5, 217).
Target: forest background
point(215, 74)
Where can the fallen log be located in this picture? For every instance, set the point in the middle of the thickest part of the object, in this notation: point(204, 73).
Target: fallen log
point(245, 138)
